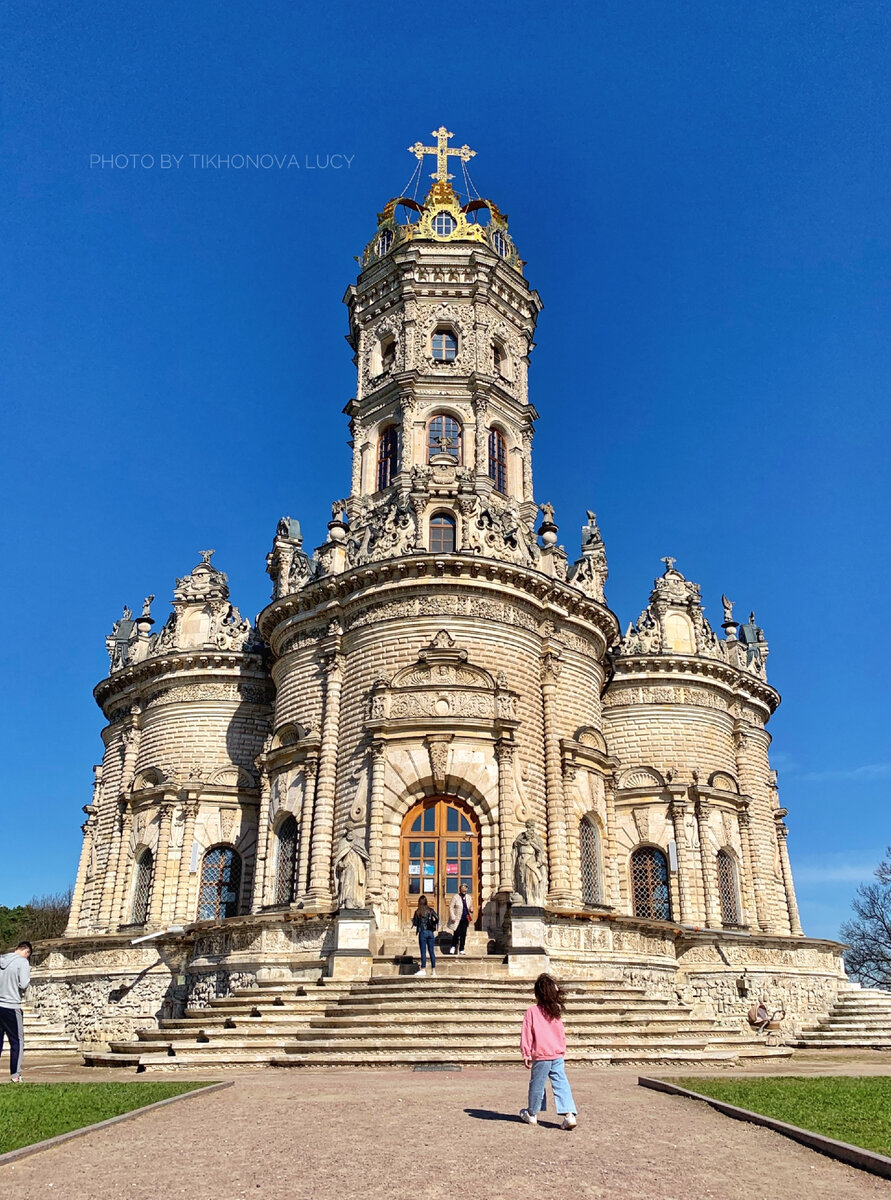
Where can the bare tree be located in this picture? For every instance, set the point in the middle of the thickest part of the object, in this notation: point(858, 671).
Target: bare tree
point(868, 957)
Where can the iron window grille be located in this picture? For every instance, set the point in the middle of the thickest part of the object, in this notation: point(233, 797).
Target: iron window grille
point(727, 889)
point(143, 889)
point(589, 851)
point(286, 867)
point(220, 884)
point(649, 884)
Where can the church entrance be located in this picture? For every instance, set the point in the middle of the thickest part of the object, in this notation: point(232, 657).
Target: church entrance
point(440, 849)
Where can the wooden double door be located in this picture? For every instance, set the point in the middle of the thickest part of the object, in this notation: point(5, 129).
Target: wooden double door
point(440, 850)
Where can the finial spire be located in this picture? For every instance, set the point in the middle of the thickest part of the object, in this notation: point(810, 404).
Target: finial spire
point(442, 150)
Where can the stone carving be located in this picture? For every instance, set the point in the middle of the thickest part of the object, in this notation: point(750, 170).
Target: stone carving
point(349, 870)
point(642, 823)
point(590, 572)
point(438, 749)
point(288, 566)
point(386, 528)
point(529, 867)
point(493, 528)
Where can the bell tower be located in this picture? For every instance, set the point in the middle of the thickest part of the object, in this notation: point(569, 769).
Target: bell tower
point(442, 323)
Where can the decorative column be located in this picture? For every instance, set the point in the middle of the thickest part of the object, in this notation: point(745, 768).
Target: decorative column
point(86, 852)
point(573, 853)
point(753, 770)
point(125, 863)
point(159, 876)
point(786, 867)
point(310, 772)
point(504, 756)
point(610, 846)
point(754, 915)
point(323, 824)
point(481, 447)
point(181, 910)
point(707, 863)
point(263, 830)
point(129, 749)
point(376, 820)
point(678, 812)
point(558, 872)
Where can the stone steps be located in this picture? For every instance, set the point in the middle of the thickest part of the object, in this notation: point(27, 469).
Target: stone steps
point(860, 1019)
point(45, 1038)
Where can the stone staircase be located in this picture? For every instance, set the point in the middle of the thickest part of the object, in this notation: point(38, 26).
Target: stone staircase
point(860, 1019)
point(45, 1038)
point(407, 1021)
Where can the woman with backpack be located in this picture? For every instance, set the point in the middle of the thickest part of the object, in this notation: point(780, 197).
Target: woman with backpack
point(426, 922)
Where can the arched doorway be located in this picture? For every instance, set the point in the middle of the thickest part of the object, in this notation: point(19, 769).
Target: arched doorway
point(439, 850)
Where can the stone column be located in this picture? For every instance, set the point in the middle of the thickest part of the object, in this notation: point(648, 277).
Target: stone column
point(558, 872)
point(310, 771)
point(120, 915)
point(573, 853)
point(159, 877)
point(611, 872)
point(481, 447)
point(753, 769)
point(786, 867)
point(678, 811)
point(181, 911)
point(709, 868)
point(86, 851)
point(527, 464)
point(376, 820)
point(323, 825)
point(504, 756)
point(754, 916)
point(263, 831)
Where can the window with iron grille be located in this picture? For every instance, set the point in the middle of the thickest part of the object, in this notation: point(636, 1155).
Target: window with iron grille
point(498, 460)
point(387, 456)
point(220, 884)
point(589, 851)
point(727, 889)
point(649, 884)
point(142, 890)
point(442, 534)
point(444, 437)
point(286, 867)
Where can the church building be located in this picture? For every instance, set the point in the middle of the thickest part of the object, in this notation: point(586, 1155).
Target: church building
point(438, 695)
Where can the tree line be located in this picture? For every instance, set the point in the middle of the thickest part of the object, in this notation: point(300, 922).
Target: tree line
point(42, 917)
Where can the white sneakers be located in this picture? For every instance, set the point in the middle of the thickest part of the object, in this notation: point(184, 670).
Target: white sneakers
point(569, 1121)
point(421, 972)
point(453, 950)
point(526, 1115)
point(16, 1079)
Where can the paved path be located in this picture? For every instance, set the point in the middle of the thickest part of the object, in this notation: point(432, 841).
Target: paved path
point(375, 1134)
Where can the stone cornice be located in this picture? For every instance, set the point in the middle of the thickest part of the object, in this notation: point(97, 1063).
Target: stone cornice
point(219, 664)
point(647, 669)
point(424, 570)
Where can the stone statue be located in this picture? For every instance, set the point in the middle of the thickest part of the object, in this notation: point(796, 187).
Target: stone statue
point(147, 606)
point(547, 512)
point(728, 610)
point(349, 870)
point(529, 867)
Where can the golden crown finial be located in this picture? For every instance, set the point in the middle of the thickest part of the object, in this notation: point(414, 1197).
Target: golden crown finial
point(442, 150)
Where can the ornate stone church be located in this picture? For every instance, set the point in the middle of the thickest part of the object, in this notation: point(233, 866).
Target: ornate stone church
point(438, 695)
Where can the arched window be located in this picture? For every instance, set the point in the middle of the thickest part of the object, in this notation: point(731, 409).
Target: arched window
point(727, 891)
point(384, 241)
point(444, 436)
point(142, 889)
point(445, 344)
point(589, 852)
point(442, 534)
point(220, 884)
point(443, 224)
point(649, 884)
point(498, 460)
point(501, 244)
point(387, 456)
point(286, 865)
point(388, 352)
point(499, 359)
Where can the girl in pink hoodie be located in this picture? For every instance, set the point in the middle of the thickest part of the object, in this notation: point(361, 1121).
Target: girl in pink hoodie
point(543, 1046)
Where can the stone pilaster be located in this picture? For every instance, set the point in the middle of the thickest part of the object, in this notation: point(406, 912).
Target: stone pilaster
point(611, 872)
point(558, 872)
point(753, 771)
point(159, 878)
point(750, 894)
point(264, 831)
point(376, 819)
point(678, 812)
point(708, 865)
point(86, 852)
point(182, 913)
point(504, 756)
point(481, 446)
point(120, 915)
point(310, 771)
point(792, 904)
point(323, 821)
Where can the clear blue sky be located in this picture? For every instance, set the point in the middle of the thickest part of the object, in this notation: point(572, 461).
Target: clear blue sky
point(702, 194)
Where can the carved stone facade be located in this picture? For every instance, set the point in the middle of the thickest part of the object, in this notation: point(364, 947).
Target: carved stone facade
point(441, 646)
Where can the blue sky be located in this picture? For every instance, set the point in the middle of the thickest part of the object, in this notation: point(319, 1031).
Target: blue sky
point(702, 194)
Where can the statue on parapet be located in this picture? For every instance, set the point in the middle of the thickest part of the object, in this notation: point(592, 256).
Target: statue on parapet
point(529, 868)
point(350, 864)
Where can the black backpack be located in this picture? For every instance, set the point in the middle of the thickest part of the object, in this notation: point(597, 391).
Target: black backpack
point(430, 922)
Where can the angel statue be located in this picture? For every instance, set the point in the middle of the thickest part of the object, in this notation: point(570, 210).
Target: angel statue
point(349, 870)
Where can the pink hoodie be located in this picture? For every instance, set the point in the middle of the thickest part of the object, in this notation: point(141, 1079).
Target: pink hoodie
point(542, 1037)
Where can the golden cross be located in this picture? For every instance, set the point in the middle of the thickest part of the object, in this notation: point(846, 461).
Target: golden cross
point(442, 150)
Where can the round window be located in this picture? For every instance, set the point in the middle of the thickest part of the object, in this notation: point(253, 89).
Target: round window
point(444, 224)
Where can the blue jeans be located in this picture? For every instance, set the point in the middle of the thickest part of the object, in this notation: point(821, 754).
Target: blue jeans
point(425, 937)
point(544, 1069)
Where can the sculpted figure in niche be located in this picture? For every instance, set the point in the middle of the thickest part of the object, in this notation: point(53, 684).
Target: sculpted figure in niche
point(529, 867)
point(349, 870)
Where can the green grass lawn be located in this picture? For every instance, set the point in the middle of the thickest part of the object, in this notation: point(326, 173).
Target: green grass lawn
point(855, 1109)
point(31, 1112)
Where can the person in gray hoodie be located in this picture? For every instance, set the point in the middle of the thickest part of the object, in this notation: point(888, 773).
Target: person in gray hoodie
point(15, 975)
